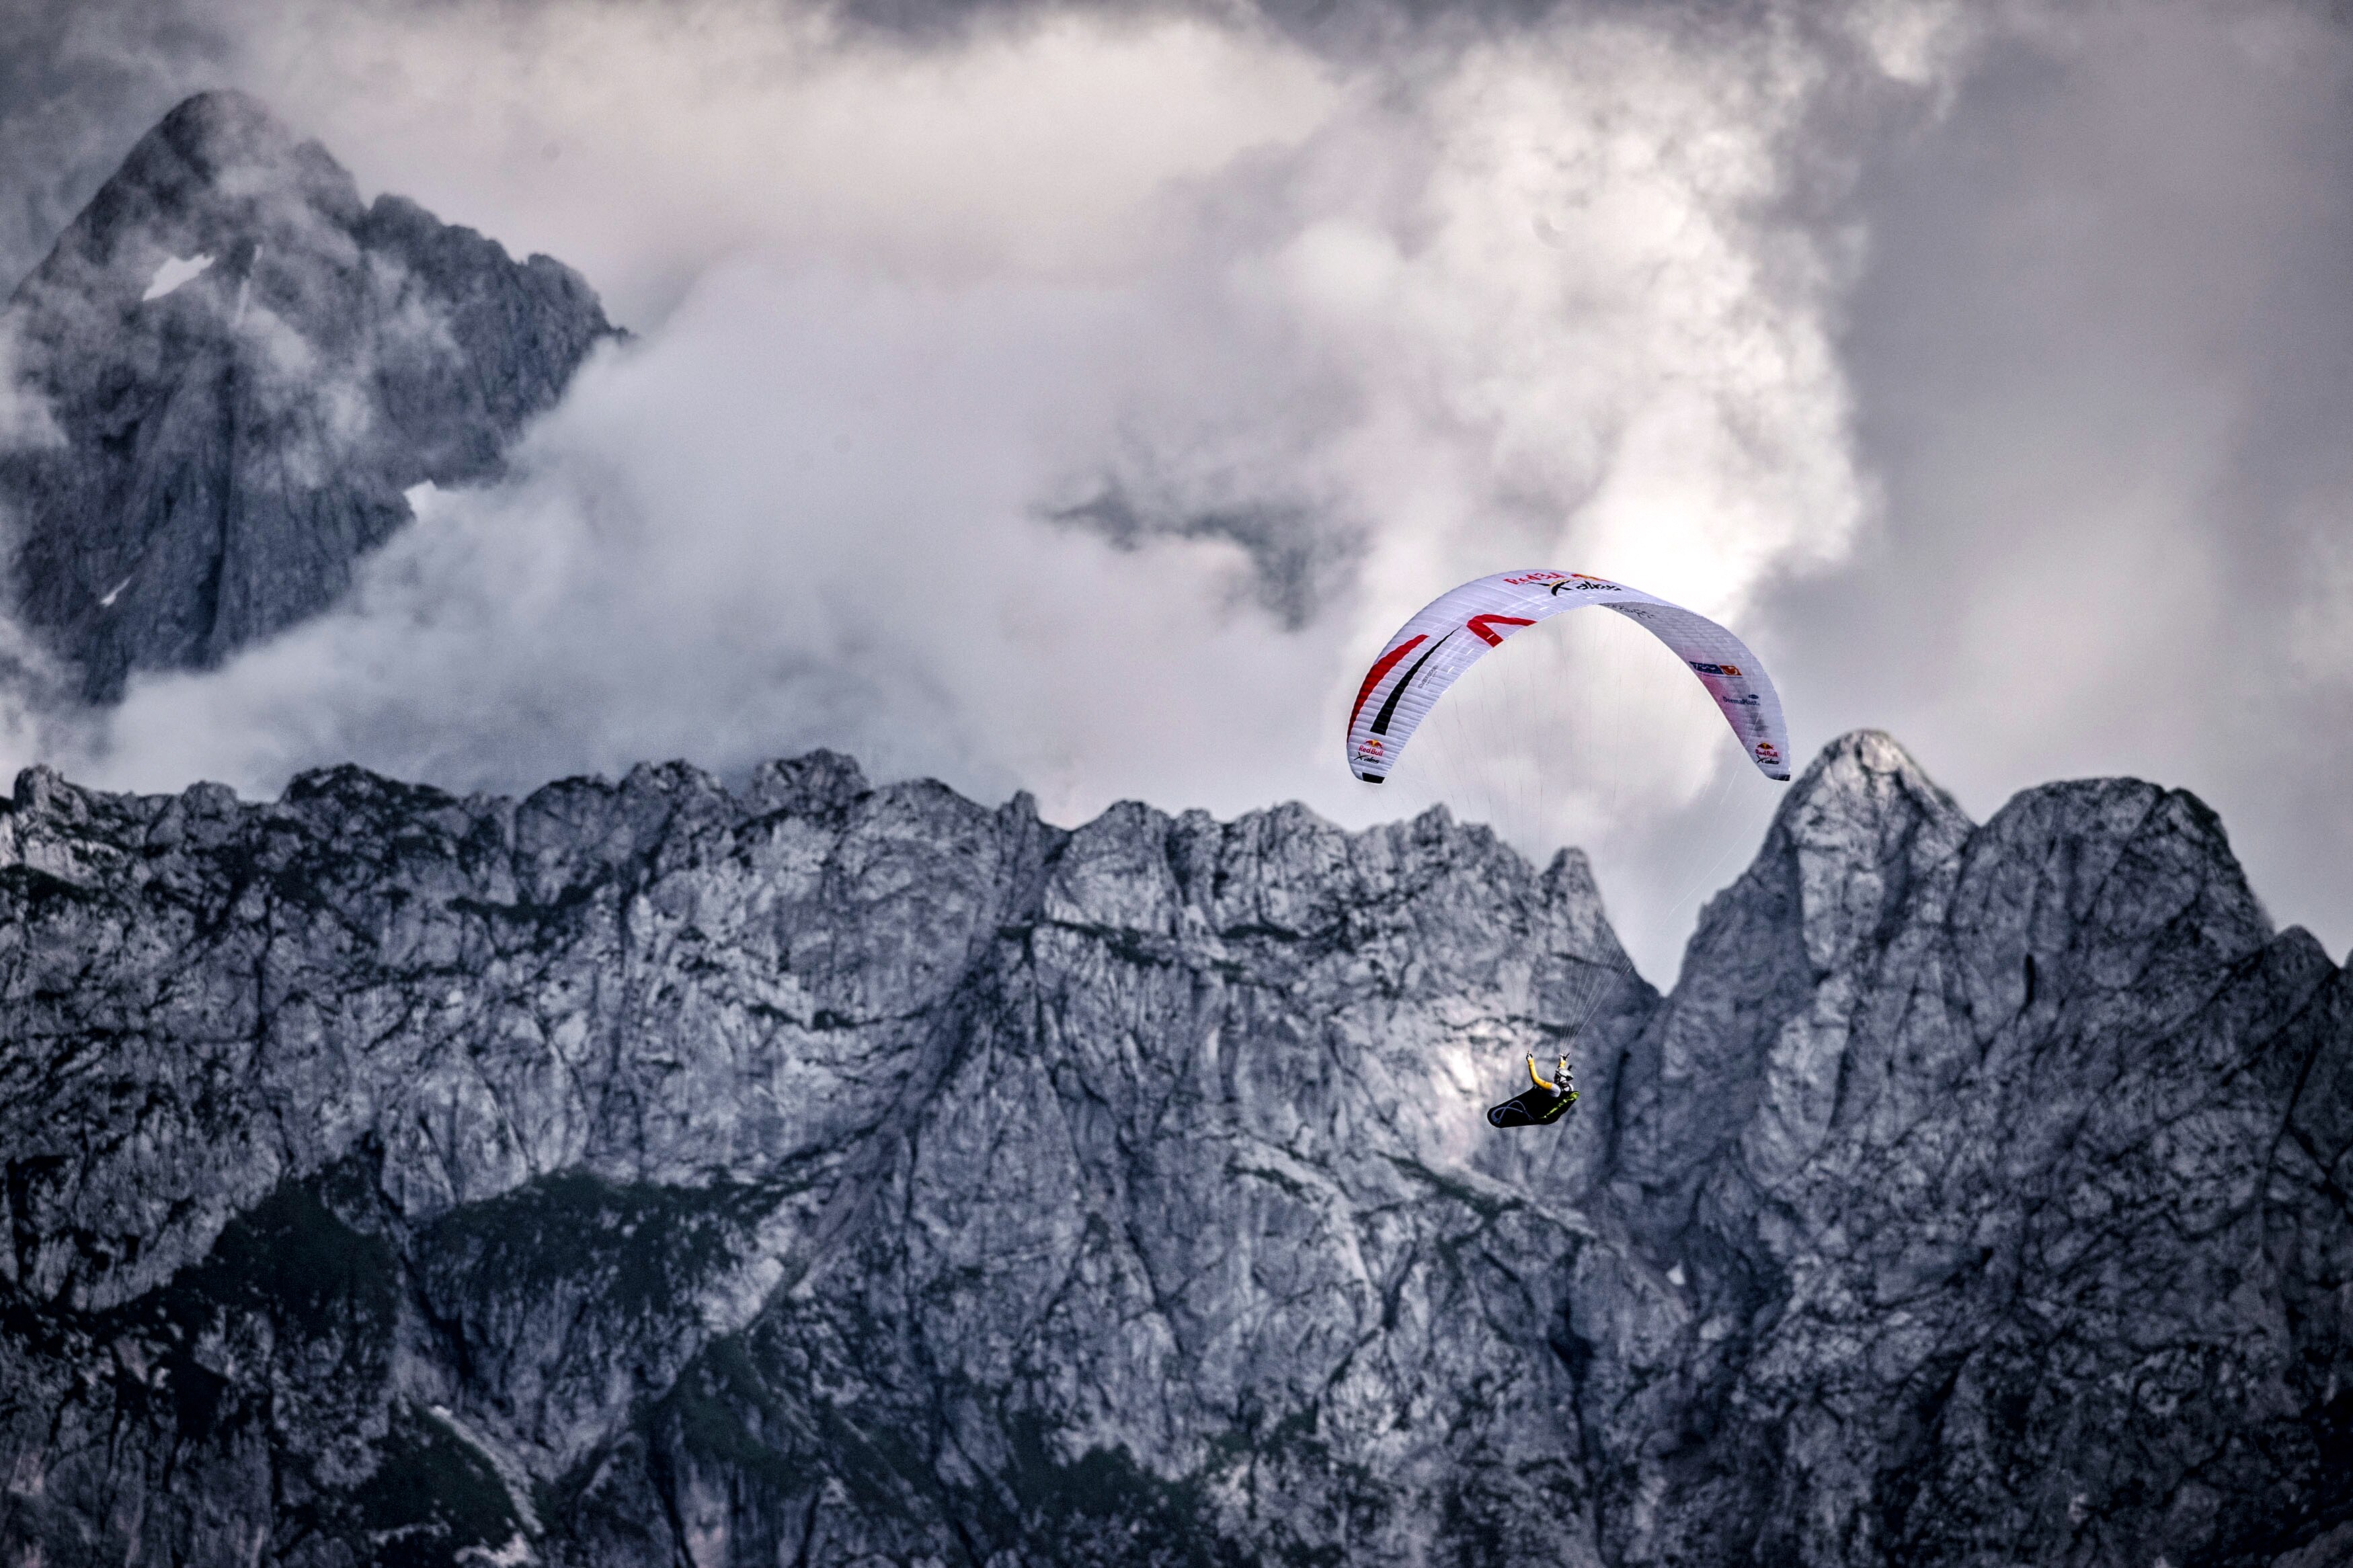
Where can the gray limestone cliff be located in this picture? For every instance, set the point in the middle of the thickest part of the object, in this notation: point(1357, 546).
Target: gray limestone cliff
point(227, 374)
point(822, 1173)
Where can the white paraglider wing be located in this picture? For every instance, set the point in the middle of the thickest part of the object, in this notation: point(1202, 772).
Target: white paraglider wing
point(1459, 628)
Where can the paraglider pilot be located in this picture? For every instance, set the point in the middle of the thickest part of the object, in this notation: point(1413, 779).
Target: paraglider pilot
point(1541, 1105)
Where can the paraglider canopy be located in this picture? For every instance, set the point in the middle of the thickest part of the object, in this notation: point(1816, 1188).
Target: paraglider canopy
point(1463, 626)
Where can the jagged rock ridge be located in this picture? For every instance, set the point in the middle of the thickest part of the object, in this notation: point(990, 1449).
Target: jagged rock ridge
point(234, 369)
point(645, 1172)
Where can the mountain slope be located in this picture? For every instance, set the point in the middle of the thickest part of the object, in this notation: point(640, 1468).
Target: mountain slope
point(237, 369)
point(823, 1174)
point(2006, 1168)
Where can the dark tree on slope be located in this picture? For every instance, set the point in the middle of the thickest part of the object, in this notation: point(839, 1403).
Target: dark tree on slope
point(189, 472)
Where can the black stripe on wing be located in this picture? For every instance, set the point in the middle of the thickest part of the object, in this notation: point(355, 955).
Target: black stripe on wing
point(1388, 709)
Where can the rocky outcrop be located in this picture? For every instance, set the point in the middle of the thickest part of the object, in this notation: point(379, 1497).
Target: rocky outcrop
point(823, 1174)
point(2004, 1171)
point(228, 374)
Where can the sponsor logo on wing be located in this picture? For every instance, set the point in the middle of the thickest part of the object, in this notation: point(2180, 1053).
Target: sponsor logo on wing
point(1768, 753)
point(1578, 583)
point(1527, 578)
point(1370, 750)
point(1713, 669)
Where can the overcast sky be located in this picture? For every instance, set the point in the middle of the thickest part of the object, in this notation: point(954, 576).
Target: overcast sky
point(1073, 398)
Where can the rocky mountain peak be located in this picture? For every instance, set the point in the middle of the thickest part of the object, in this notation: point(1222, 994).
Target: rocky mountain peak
point(219, 176)
point(1851, 837)
point(239, 369)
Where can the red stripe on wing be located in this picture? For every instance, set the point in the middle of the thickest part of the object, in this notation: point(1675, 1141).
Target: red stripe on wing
point(1484, 626)
point(1389, 661)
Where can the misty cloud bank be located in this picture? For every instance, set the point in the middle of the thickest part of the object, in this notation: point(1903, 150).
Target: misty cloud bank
point(1068, 401)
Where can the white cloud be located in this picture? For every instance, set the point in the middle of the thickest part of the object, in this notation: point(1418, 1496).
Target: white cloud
point(644, 143)
point(2106, 372)
point(1457, 304)
point(1291, 333)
